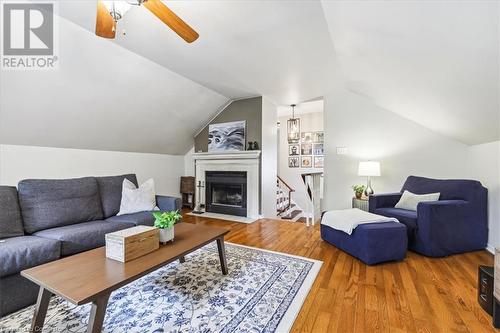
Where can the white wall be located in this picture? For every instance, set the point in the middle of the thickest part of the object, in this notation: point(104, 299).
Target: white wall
point(189, 169)
point(21, 162)
point(269, 162)
point(309, 122)
point(371, 133)
point(484, 165)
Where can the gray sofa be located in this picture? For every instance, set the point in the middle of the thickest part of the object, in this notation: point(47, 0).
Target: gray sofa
point(44, 220)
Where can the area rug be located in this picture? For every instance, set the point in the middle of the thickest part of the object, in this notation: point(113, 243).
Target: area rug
point(263, 292)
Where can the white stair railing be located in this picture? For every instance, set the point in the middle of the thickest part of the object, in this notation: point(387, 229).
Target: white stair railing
point(312, 181)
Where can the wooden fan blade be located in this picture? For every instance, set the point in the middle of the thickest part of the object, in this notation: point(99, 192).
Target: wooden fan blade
point(172, 20)
point(105, 26)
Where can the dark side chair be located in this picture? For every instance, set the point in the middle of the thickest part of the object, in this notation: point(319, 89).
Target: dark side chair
point(457, 223)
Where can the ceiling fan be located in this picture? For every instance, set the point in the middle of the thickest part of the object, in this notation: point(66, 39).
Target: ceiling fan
point(109, 12)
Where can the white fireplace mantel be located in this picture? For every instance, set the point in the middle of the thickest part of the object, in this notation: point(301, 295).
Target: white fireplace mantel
point(247, 161)
point(246, 154)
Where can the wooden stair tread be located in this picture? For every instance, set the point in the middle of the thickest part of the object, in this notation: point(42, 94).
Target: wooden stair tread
point(291, 215)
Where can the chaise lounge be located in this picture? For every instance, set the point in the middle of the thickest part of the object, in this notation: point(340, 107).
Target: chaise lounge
point(457, 223)
point(44, 220)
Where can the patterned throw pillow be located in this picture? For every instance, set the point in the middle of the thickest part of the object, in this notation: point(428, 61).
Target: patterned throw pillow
point(410, 200)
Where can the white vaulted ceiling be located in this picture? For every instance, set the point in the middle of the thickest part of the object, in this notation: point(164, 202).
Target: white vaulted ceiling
point(281, 49)
point(103, 97)
point(435, 63)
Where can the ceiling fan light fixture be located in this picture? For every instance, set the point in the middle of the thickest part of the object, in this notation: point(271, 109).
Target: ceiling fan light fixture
point(117, 8)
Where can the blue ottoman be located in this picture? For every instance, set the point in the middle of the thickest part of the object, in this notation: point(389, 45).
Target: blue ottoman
point(371, 243)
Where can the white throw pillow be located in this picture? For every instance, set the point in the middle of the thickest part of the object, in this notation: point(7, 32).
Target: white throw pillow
point(410, 200)
point(136, 200)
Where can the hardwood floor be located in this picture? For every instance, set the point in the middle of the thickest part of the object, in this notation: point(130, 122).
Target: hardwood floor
point(419, 294)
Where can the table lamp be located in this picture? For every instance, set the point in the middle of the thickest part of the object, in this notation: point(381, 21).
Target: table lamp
point(369, 169)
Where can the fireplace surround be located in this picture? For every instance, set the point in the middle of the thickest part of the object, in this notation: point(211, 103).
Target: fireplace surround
point(230, 163)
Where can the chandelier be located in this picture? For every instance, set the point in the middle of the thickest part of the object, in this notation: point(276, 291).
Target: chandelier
point(293, 127)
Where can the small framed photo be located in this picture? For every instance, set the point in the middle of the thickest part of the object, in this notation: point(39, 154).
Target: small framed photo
point(306, 149)
point(306, 137)
point(318, 161)
point(293, 162)
point(306, 162)
point(318, 149)
point(293, 150)
point(319, 137)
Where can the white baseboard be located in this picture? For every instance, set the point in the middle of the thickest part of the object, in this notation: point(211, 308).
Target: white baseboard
point(490, 249)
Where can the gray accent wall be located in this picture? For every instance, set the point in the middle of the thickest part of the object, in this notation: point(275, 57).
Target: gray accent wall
point(249, 109)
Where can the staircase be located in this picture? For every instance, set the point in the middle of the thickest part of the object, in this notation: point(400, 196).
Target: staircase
point(287, 209)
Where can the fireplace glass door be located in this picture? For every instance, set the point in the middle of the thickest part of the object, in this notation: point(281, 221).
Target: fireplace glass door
point(226, 192)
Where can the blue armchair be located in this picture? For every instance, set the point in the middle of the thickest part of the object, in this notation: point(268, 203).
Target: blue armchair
point(457, 223)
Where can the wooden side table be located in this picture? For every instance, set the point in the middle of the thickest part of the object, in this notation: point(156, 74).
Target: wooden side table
point(360, 203)
point(187, 191)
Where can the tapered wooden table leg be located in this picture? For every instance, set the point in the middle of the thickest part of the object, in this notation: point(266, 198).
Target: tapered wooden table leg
point(97, 313)
point(42, 305)
point(222, 255)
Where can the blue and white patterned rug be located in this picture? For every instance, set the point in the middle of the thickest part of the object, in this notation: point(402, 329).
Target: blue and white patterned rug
point(263, 292)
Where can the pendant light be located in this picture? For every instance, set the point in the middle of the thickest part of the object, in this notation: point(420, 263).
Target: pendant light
point(293, 127)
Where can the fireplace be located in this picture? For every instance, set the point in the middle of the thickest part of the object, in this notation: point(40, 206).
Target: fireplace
point(226, 192)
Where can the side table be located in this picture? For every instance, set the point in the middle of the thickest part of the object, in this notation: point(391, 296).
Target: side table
point(360, 203)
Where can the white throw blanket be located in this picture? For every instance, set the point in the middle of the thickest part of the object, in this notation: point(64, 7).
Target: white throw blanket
point(347, 220)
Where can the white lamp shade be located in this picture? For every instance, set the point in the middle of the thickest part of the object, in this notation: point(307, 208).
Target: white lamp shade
point(369, 168)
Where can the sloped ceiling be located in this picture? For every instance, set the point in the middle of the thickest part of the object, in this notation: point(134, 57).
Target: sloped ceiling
point(280, 49)
point(433, 62)
point(103, 97)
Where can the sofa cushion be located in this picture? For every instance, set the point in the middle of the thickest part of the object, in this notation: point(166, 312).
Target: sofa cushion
point(110, 189)
point(407, 217)
point(141, 218)
point(50, 203)
point(18, 253)
point(82, 236)
point(11, 223)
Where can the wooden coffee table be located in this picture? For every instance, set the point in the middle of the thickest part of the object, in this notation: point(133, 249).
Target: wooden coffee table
point(91, 277)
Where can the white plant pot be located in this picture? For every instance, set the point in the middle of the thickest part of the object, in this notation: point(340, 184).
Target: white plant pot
point(166, 235)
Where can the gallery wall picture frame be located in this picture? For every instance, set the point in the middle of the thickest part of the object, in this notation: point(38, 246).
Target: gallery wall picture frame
point(293, 162)
point(318, 137)
point(306, 137)
point(318, 149)
point(294, 150)
point(306, 149)
point(306, 162)
point(228, 136)
point(319, 161)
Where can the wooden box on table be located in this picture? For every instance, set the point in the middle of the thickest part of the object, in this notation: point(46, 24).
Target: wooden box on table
point(131, 243)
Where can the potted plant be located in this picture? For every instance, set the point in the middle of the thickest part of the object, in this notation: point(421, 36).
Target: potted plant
point(165, 222)
point(358, 190)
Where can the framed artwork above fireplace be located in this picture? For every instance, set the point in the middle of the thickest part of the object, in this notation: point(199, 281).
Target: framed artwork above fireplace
point(227, 136)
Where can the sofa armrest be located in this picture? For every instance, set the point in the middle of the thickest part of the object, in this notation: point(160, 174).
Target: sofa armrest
point(450, 226)
point(383, 200)
point(167, 203)
point(442, 212)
